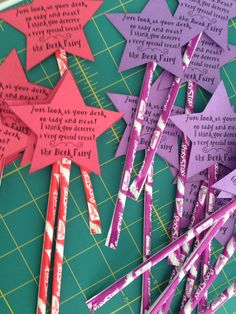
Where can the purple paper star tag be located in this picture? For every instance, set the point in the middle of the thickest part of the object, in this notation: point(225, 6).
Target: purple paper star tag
point(212, 132)
point(205, 65)
point(164, 81)
point(191, 193)
point(203, 175)
point(227, 183)
point(226, 195)
point(190, 198)
point(152, 35)
point(227, 186)
point(227, 230)
point(168, 148)
point(207, 16)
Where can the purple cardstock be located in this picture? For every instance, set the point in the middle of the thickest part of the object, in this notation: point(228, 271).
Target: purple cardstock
point(212, 132)
point(209, 57)
point(226, 195)
point(207, 16)
point(227, 186)
point(190, 198)
point(152, 35)
point(168, 148)
point(227, 183)
point(227, 230)
point(191, 192)
point(203, 175)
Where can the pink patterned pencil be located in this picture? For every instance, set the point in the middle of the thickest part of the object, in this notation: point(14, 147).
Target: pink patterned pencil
point(64, 165)
point(65, 168)
point(50, 219)
point(48, 239)
point(94, 219)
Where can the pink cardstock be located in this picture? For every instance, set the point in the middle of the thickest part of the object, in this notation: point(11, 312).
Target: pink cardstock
point(66, 127)
point(11, 159)
point(14, 85)
point(53, 25)
point(12, 142)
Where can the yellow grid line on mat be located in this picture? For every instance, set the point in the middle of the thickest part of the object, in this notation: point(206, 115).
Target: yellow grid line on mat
point(6, 302)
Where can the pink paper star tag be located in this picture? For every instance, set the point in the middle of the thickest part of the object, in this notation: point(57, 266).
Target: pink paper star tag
point(53, 25)
point(14, 85)
point(66, 127)
point(11, 142)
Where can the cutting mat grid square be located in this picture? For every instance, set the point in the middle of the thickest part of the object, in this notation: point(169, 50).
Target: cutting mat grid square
point(89, 266)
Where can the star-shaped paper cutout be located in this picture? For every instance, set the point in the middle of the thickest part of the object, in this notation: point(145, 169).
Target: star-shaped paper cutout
point(190, 198)
point(227, 230)
point(14, 85)
point(212, 132)
point(152, 35)
point(225, 195)
point(203, 175)
point(9, 160)
point(205, 65)
point(168, 148)
point(11, 142)
point(191, 193)
point(227, 183)
point(206, 16)
point(227, 186)
point(32, 140)
point(53, 25)
point(66, 127)
point(164, 81)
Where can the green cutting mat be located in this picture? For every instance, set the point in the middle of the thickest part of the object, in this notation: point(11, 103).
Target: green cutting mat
point(89, 266)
